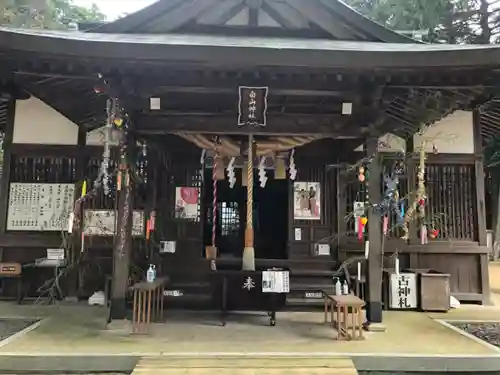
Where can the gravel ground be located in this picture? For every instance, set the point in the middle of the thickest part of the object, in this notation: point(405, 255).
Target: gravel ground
point(9, 327)
point(489, 332)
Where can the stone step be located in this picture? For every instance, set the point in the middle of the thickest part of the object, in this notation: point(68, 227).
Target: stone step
point(245, 366)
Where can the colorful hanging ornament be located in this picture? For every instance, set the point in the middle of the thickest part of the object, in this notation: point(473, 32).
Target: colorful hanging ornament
point(385, 225)
point(434, 233)
point(361, 174)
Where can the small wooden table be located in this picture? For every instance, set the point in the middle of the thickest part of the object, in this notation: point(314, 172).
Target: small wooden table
point(147, 297)
point(349, 324)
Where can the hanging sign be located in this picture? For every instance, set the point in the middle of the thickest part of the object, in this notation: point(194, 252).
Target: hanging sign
point(252, 106)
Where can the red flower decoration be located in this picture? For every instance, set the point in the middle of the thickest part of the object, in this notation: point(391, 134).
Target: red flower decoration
point(421, 202)
point(434, 233)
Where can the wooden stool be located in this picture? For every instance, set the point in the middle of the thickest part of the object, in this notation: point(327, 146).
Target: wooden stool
point(148, 304)
point(349, 325)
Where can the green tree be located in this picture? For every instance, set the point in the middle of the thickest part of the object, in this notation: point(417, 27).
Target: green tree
point(47, 14)
point(449, 21)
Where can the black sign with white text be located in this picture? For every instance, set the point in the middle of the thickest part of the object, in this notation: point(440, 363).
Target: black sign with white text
point(252, 106)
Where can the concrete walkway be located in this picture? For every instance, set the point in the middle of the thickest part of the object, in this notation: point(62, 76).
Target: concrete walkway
point(79, 333)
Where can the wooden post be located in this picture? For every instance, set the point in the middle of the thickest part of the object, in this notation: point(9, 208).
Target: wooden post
point(374, 277)
point(481, 209)
point(123, 241)
point(6, 163)
point(248, 251)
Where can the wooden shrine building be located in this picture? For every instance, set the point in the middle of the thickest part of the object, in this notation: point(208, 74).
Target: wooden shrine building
point(335, 85)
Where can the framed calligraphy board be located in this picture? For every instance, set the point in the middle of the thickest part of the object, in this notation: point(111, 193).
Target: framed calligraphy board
point(252, 106)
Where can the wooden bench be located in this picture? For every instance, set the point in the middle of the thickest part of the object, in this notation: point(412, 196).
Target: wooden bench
point(346, 315)
point(148, 304)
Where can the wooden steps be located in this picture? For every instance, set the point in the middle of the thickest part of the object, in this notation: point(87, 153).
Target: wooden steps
point(245, 366)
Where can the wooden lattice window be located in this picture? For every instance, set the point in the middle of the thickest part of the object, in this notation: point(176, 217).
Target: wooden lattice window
point(229, 217)
point(451, 206)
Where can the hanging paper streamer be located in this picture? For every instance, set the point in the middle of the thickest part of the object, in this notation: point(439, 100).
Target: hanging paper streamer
point(262, 172)
point(385, 225)
point(423, 234)
point(367, 249)
point(359, 271)
point(202, 162)
point(70, 222)
point(292, 168)
point(402, 209)
point(396, 264)
point(231, 177)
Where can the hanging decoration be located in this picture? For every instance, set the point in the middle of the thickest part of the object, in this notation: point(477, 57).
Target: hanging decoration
point(292, 168)
point(390, 203)
point(360, 219)
point(231, 177)
point(418, 203)
point(262, 172)
point(267, 147)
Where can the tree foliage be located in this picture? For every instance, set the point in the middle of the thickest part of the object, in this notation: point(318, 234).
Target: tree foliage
point(447, 21)
point(47, 14)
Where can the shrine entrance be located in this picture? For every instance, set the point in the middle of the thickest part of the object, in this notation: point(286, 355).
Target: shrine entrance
point(270, 216)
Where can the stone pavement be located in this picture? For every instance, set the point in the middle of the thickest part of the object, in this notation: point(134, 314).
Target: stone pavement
point(79, 332)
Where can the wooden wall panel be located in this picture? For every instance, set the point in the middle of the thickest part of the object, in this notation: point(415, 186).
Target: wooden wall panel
point(323, 230)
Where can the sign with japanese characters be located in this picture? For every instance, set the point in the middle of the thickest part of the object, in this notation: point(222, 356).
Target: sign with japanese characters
point(403, 291)
point(252, 106)
point(275, 281)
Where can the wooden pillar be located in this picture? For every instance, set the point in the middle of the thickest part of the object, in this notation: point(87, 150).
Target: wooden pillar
point(123, 240)
point(6, 164)
point(74, 278)
point(374, 269)
point(481, 209)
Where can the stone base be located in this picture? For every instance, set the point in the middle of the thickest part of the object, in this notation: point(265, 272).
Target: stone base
point(119, 327)
point(374, 327)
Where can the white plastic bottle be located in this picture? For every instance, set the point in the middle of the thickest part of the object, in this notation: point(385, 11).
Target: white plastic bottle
point(150, 274)
point(338, 287)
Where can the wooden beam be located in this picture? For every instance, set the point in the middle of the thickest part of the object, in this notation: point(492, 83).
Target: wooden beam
point(219, 15)
point(285, 15)
point(209, 90)
point(253, 12)
point(328, 125)
point(481, 204)
point(6, 164)
point(181, 15)
point(374, 269)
